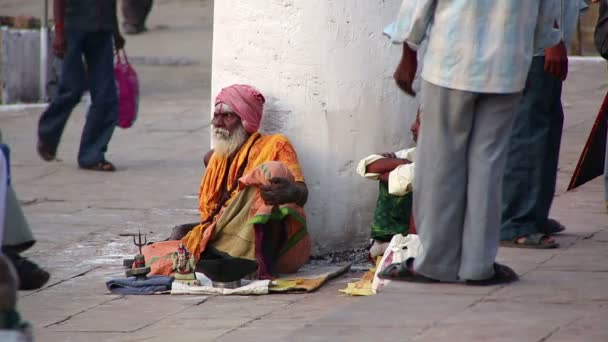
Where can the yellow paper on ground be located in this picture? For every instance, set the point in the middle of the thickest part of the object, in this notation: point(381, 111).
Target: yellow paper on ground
point(362, 287)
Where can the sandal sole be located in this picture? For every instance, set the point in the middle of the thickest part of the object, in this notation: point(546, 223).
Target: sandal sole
point(512, 244)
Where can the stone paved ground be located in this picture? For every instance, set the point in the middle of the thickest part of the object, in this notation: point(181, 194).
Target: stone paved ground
point(78, 215)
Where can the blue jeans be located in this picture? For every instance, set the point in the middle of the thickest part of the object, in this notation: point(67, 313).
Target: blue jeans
point(97, 49)
point(531, 172)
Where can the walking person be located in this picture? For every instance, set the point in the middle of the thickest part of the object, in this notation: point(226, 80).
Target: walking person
point(89, 29)
point(475, 68)
point(533, 152)
point(135, 13)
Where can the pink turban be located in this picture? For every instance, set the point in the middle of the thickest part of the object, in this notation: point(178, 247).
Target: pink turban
point(246, 102)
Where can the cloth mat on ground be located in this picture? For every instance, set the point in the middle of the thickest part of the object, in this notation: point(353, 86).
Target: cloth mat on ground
point(248, 288)
point(308, 279)
point(132, 286)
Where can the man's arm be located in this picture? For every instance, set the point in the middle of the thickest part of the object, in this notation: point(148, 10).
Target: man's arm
point(281, 191)
point(547, 34)
point(59, 40)
point(119, 40)
point(386, 165)
point(412, 22)
point(410, 29)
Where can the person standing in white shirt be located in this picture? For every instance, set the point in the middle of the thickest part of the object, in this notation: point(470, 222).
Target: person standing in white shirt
point(475, 67)
point(533, 154)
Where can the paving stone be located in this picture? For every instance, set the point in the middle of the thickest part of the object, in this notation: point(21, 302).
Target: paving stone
point(128, 314)
point(491, 321)
point(52, 336)
point(590, 328)
point(586, 255)
point(62, 301)
point(565, 287)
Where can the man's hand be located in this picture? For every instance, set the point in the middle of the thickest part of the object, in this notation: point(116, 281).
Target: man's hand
point(556, 61)
point(119, 42)
point(59, 44)
point(406, 70)
point(280, 191)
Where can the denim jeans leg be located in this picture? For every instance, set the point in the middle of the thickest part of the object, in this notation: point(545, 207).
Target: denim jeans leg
point(103, 112)
point(71, 86)
point(529, 181)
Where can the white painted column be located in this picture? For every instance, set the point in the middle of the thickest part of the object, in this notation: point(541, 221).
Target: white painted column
point(326, 71)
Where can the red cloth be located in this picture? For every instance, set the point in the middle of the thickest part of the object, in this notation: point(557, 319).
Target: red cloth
point(246, 101)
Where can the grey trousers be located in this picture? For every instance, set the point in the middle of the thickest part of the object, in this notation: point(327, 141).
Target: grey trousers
point(16, 233)
point(460, 164)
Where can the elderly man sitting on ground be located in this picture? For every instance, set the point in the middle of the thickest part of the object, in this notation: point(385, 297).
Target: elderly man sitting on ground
point(251, 196)
point(395, 171)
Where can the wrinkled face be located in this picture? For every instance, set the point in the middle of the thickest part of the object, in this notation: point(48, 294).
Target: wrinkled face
point(226, 119)
point(228, 132)
point(415, 127)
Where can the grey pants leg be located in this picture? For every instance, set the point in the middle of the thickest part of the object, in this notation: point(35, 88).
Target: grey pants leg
point(17, 232)
point(460, 162)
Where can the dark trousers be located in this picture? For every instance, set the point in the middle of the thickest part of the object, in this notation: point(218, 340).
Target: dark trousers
point(135, 12)
point(98, 74)
point(531, 172)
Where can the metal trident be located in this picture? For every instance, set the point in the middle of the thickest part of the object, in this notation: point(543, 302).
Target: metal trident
point(139, 243)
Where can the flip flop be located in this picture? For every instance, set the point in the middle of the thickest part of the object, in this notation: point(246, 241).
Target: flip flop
point(502, 275)
point(553, 227)
point(533, 241)
point(401, 272)
point(103, 165)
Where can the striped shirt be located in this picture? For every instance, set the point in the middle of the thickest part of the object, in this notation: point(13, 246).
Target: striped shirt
point(483, 46)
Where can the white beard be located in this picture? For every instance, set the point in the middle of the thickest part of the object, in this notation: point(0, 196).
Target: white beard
point(225, 143)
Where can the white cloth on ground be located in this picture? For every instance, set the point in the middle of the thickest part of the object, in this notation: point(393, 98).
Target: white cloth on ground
point(249, 288)
point(399, 250)
point(400, 180)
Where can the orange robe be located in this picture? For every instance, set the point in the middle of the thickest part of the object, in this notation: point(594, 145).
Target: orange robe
point(257, 150)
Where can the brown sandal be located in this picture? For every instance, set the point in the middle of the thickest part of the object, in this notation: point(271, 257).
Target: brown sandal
point(103, 165)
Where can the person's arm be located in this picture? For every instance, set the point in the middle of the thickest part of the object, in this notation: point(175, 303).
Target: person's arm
point(406, 70)
point(409, 30)
point(119, 40)
point(281, 191)
point(412, 22)
point(548, 33)
point(385, 165)
point(59, 40)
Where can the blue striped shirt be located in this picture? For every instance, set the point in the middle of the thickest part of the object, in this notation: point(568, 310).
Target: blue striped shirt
point(483, 46)
point(570, 11)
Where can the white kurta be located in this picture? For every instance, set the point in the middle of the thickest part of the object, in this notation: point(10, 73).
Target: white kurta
point(400, 180)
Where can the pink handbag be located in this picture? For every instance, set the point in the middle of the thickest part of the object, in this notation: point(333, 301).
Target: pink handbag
point(128, 91)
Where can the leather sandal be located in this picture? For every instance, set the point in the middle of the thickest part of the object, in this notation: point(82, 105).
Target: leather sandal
point(533, 241)
point(402, 272)
point(502, 275)
point(103, 165)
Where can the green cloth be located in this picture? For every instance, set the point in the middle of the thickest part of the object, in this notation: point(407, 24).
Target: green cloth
point(392, 215)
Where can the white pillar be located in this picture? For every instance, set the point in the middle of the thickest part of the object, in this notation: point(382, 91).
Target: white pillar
point(326, 71)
